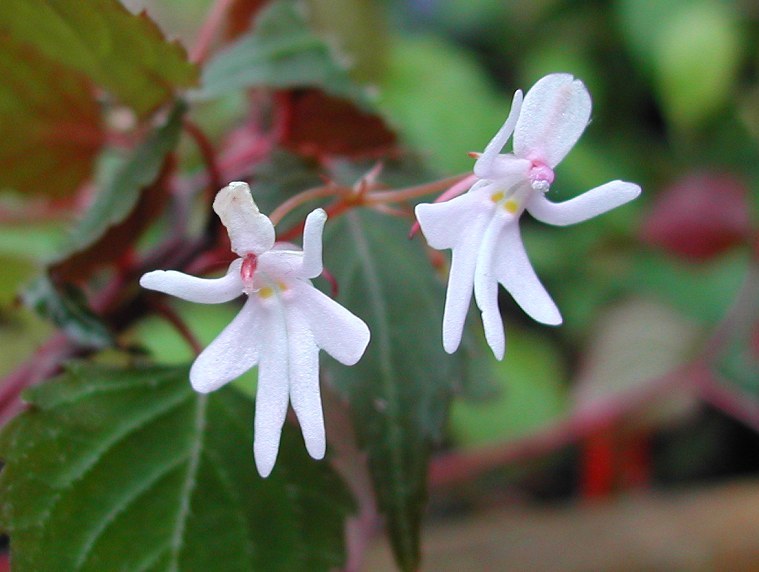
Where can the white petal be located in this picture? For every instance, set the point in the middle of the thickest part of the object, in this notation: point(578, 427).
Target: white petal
point(336, 330)
point(234, 351)
point(486, 284)
point(587, 205)
point(461, 280)
point(304, 381)
point(193, 289)
point(249, 230)
point(482, 167)
point(555, 113)
point(273, 388)
point(312, 243)
point(446, 224)
point(514, 271)
point(280, 265)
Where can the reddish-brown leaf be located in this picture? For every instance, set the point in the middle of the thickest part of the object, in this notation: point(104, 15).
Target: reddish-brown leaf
point(699, 216)
point(315, 124)
point(50, 128)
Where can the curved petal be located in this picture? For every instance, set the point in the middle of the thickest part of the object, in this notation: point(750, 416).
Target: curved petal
point(273, 389)
point(486, 284)
point(312, 243)
point(587, 205)
point(279, 264)
point(445, 225)
point(234, 351)
point(336, 330)
point(304, 381)
point(554, 114)
point(193, 289)
point(249, 230)
point(482, 167)
point(514, 271)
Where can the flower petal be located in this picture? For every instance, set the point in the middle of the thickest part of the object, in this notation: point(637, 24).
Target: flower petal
point(514, 271)
point(482, 167)
point(273, 388)
point(193, 289)
point(312, 243)
point(555, 113)
point(234, 351)
point(336, 330)
point(446, 224)
point(587, 205)
point(486, 284)
point(304, 381)
point(249, 230)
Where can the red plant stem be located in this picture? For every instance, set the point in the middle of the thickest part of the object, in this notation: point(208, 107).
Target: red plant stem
point(44, 363)
point(170, 315)
point(635, 460)
point(209, 30)
point(215, 180)
point(734, 402)
point(458, 466)
point(598, 464)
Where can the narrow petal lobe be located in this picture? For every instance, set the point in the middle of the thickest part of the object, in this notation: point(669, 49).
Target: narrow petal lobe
point(581, 208)
point(482, 167)
point(192, 289)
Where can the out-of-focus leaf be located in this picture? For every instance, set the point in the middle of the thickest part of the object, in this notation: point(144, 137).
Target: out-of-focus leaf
point(399, 391)
point(460, 111)
point(318, 125)
point(699, 216)
point(634, 344)
point(21, 333)
point(130, 199)
point(702, 292)
point(50, 130)
point(123, 52)
point(130, 469)
point(282, 52)
point(696, 62)
point(531, 393)
point(67, 308)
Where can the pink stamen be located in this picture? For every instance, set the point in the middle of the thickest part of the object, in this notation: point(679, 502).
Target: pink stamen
point(541, 172)
point(248, 268)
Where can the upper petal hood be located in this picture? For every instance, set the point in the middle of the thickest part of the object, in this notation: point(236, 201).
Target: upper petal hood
point(249, 230)
point(554, 114)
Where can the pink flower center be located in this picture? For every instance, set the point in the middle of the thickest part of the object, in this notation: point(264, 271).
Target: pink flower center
point(541, 175)
point(248, 268)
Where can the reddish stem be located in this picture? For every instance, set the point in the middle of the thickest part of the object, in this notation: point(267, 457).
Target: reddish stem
point(208, 32)
point(207, 152)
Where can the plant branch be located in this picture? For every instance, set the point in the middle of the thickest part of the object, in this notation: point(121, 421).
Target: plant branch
point(209, 30)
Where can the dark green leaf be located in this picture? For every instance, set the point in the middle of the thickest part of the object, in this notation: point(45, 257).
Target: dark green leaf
point(123, 52)
point(50, 129)
point(282, 51)
point(94, 240)
point(400, 390)
point(131, 470)
point(67, 308)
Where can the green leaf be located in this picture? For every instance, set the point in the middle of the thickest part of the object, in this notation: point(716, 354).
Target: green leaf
point(50, 130)
point(400, 390)
point(532, 393)
point(697, 63)
point(67, 308)
point(123, 52)
point(461, 110)
point(115, 469)
point(108, 227)
point(282, 51)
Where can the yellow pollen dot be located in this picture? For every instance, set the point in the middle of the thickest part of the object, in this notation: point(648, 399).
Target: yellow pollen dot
point(282, 286)
point(495, 197)
point(511, 206)
point(266, 292)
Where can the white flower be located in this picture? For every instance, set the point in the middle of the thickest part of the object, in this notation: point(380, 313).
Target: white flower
point(281, 327)
point(482, 226)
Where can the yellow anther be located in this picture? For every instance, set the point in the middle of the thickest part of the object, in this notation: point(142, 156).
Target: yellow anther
point(495, 197)
point(511, 206)
point(266, 292)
